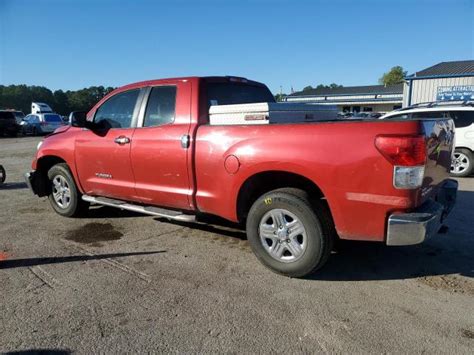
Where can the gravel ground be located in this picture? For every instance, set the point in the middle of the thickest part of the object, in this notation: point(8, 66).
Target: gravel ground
point(121, 282)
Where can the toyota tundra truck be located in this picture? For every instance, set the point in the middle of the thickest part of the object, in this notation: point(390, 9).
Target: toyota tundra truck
point(296, 185)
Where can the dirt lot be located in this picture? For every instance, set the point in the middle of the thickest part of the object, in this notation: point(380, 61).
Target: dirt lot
point(122, 282)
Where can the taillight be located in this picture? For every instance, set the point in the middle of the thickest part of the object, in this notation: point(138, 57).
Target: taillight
point(402, 150)
point(408, 155)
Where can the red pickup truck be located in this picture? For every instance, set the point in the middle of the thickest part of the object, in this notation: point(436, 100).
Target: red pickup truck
point(149, 147)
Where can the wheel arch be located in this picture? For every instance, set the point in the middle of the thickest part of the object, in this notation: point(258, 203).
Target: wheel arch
point(259, 183)
point(43, 164)
point(464, 147)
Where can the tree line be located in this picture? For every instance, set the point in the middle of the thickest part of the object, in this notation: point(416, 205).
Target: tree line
point(20, 97)
point(395, 75)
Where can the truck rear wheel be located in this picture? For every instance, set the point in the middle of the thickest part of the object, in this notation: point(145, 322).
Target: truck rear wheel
point(289, 234)
point(65, 197)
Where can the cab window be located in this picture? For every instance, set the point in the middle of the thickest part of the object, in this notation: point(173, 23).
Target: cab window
point(117, 112)
point(161, 106)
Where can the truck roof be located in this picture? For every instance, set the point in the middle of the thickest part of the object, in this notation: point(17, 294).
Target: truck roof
point(188, 78)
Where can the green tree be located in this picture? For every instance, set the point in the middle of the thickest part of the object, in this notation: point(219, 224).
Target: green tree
point(309, 87)
point(330, 86)
point(396, 75)
point(279, 97)
point(61, 103)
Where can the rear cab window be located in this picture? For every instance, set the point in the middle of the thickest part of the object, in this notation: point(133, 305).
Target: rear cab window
point(228, 92)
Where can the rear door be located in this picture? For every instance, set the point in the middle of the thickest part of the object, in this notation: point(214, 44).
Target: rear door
point(103, 155)
point(161, 147)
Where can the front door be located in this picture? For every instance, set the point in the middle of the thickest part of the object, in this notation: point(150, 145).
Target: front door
point(159, 151)
point(103, 155)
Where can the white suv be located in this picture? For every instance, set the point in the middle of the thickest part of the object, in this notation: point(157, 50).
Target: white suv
point(463, 117)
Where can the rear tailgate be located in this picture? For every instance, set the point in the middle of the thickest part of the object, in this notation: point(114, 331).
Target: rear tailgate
point(439, 134)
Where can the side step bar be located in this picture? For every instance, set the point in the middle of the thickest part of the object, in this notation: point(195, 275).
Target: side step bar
point(150, 210)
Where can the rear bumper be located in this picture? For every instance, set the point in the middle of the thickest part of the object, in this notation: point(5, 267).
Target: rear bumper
point(414, 227)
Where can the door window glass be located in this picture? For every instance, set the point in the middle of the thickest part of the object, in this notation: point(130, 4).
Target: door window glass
point(161, 106)
point(117, 112)
point(462, 118)
point(429, 114)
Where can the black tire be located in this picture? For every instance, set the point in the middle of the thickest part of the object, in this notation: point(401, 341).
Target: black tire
point(75, 206)
point(314, 216)
point(470, 161)
point(34, 131)
point(3, 175)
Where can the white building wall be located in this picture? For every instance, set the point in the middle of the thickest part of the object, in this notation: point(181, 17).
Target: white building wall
point(425, 90)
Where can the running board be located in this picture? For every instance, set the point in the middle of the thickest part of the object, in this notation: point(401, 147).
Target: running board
point(151, 210)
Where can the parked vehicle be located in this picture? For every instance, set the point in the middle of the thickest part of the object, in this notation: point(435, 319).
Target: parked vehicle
point(154, 147)
point(8, 123)
point(462, 113)
point(42, 123)
point(19, 116)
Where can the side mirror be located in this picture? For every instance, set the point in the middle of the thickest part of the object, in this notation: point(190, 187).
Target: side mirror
point(78, 119)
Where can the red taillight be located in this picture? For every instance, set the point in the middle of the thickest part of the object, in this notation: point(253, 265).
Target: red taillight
point(402, 150)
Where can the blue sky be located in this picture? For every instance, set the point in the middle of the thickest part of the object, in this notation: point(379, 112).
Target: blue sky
point(66, 44)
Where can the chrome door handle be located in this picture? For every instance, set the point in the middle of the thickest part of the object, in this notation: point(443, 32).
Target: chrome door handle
point(185, 140)
point(122, 140)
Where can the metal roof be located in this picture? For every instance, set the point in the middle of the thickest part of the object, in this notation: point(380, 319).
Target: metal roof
point(353, 90)
point(446, 69)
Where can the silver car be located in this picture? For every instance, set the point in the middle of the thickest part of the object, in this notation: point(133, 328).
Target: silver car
point(41, 123)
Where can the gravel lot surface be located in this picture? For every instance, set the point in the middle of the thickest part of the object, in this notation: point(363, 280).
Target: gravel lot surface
point(121, 282)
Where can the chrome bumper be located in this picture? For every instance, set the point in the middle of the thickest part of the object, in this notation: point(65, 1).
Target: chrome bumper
point(425, 221)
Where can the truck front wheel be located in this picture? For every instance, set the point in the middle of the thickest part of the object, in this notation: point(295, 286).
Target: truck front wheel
point(288, 233)
point(65, 197)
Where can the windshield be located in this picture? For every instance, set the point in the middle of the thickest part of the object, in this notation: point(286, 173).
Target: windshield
point(19, 114)
point(52, 118)
point(237, 93)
